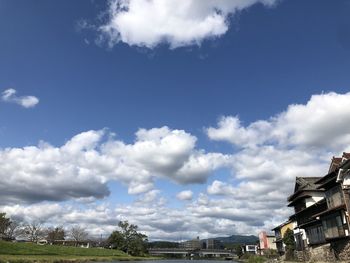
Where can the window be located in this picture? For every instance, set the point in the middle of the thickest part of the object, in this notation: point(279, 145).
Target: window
point(278, 234)
point(333, 226)
point(315, 234)
point(251, 247)
point(334, 197)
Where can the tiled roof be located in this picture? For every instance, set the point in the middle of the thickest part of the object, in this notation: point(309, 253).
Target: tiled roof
point(304, 184)
point(346, 155)
point(307, 183)
point(336, 161)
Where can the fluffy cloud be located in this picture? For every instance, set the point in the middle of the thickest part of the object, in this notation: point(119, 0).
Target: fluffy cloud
point(156, 220)
point(271, 153)
point(9, 95)
point(178, 23)
point(82, 167)
point(267, 156)
point(185, 195)
point(322, 123)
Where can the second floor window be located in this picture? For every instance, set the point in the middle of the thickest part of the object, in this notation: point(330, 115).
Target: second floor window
point(333, 226)
point(334, 197)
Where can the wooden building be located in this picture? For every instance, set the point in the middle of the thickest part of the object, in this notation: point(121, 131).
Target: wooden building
point(307, 200)
point(335, 219)
point(321, 211)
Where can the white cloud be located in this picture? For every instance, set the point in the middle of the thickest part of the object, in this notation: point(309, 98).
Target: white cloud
point(230, 129)
point(270, 154)
point(155, 219)
point(322, 123)
point(147, 23)
point(9, 95)
point(185, 195)
point(82, 167)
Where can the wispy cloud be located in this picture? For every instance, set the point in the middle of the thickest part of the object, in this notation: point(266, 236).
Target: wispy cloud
point(9, 95)
point(148, 23)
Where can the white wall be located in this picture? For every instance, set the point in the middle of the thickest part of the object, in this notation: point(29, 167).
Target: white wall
point(314, 199)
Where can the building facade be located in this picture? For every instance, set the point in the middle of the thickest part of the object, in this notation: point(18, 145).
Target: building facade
point(321, 212)
point(266, 242)
point(193, 244)
point(250, 249)
point(212, 243)
point(279, 234)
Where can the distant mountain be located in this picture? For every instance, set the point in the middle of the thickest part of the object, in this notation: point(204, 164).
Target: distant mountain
point(238, 239)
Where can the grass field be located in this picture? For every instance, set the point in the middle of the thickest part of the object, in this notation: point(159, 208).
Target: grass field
point(27, 252)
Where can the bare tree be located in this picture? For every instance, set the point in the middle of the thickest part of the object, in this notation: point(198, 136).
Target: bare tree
point(57, 233)
point(78, 234)
point(33, 231)
point(13, 230)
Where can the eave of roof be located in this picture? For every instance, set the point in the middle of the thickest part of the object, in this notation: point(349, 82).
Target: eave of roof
point(281, 225)
point(295, 196)
point(330, 210)
point(326, 178)
point(329, 183)
point(298, 198)
point(309, 207)
point(310, 223)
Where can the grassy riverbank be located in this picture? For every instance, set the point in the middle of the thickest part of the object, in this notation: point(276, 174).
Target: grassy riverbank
point(27, 252)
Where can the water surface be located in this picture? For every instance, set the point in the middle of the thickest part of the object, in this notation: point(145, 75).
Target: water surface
point(183, 261)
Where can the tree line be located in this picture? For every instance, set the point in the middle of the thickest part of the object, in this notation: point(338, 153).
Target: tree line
point(35, 231)
point(125, 238)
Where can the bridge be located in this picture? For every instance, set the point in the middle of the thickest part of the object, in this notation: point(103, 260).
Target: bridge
point(190, 252)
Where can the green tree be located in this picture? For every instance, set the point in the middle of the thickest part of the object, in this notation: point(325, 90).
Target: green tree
point(237, 248)
point(128, 239)
point(5, 224)
point(288, 240)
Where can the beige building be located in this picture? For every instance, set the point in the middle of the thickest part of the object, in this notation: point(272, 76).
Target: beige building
point(191, 244)
point(266, 242)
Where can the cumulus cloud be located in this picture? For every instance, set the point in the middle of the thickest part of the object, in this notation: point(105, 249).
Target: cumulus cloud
point(322, 123)
point(185, 195)
point(83, 166)
point(156, 220)
point(267, 156)
point(147, 23)
point(271, 153)
point(9, 95)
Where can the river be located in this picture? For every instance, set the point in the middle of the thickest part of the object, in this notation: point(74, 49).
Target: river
point(182, 261)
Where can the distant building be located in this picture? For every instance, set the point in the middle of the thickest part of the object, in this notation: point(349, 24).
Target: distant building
point(191, 244)
point(212, 243)
point(250, 249)
point(266, 242)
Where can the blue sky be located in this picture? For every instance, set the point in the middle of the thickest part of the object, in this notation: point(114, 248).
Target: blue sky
point(271, 55)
